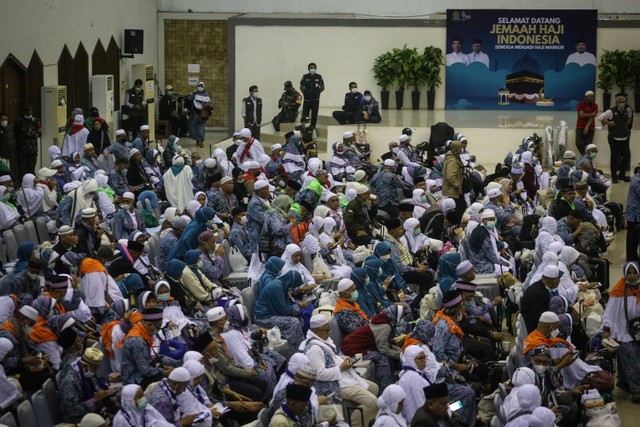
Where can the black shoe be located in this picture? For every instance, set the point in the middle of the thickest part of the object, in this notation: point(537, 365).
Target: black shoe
point(626, 179)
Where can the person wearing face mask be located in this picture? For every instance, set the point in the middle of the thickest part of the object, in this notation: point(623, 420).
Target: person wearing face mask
point(486, 250)
point(311, 86)
point(84, 392)
point(197, 285)
point(135, 107)
point(347, 311)
point(546, 333)
point(211, 256)
point(9, 214)
point(189, 238)
point(128, 219)
point(289, 104)
point(251, 111)
point(617, 120)
point(135, 410)
point(26, 130)
point(390, 405)
point(238, 236)
point(137, 366)
point(164, 398)
point(201, 110)
point(368, 111)
point(25, 285)
point(168, 107)
point(352, 101)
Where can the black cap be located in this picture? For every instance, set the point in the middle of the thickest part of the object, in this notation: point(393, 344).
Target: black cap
point(237, 171)
point(288, 135)
point(298, 392)
point(105, 252)
point(407, 131)
point(202, 342)
point(135, 246)
point(66, 338)
point(435, 391)
point(406, 207)
point(306, 205)
point(217, 176)
point(288, 84)
point(294, 185)
point(450, 298)
point(393, 223)
point(237, 210)
point(418, 180)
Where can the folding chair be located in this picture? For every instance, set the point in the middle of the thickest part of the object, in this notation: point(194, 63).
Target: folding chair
point(20, 233)
point(42, 229)
point(11, 244)
point(26, 416)
point(32, 234)
point(41, 409)
point(9, 420)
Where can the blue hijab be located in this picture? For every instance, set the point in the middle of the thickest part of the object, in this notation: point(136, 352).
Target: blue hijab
point(389, 268)
point(365, 299)
point(373, 264)
point(274, 299)
point(447, 266)
point(24, 255)
point(272, 267)
point(175, 269)
point(189, 238)
point(191, 259)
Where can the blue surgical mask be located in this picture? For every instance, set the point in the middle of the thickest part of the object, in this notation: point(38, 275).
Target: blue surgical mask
point(491, 225)
point(312, 71)
point(142, 403)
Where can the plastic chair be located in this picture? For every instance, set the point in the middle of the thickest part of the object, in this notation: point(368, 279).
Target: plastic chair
point(32, 234)
point(42, 229)
point(105, 366)
point(263, 418)
point(51, 394)
point(3, 254)
point(307, 259)
point(335, 333)
point(9, 420)
point(41, 409)
point(11, 244)
point(249, 301)
point(26, 416)
point(226, 265)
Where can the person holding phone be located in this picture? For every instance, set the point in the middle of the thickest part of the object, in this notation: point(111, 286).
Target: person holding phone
point(435, 411)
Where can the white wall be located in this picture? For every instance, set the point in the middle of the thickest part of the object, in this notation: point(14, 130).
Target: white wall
point(385, 7)
point(46, 25)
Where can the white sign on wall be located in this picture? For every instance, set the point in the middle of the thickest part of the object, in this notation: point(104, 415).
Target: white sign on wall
point(193, 68)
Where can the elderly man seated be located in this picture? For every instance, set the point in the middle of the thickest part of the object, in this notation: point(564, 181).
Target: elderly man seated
point(537, 297)
point(505, 211)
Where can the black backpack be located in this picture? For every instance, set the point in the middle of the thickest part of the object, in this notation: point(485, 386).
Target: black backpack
point(530, 225)
point(440, 134)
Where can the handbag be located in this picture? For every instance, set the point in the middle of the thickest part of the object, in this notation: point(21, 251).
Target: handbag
point(237, 261)
point(633, 324)
point(267, 248)
point(329, 412)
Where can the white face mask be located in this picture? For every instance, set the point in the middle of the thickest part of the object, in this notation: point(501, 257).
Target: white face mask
point(200, 89)
point(385, 258)
point(541, 369)
point(554, 333)
point(212, 360)
point(32, 276)
point(28, 330)
point(226, 325)
point(354, 90)
point(367, 98)
point(307, 125)
point(127, 206)
point(254, 94)
point(243, 220)
point(4, 123)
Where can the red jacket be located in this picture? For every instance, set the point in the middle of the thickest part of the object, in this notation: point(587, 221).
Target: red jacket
point(362, 340)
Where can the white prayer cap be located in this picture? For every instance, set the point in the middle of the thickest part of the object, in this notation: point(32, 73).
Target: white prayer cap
point(88, 212)
point(215, 314)
point(569, 155)
point(590, 147)
point(64, 230)
point(253, 164)
point(275, 147)
point(92, 420)
point(495, 192)
point(133, 152)
point(144, 127)
point(318, 320)
point(488, 213)
point(361, 189)
point(210, 163)
point(390, 162)
point(129, 195)
point(260, 184)
point(348, 134)
point(403, 138)
point(46, 172)
point(70, 186)
point(225, 179)
point(120, 132)
point(180, 375)
point(344, 284)
point(359, 174)
point(589, 92)
point(464, 267)
point(549, 317)
point(245, 133)
point(194, 367)
point(551, 272)
point(29, 312)
point(56, 163)
point(517, 168)
point(5, 178)
point(168, 87)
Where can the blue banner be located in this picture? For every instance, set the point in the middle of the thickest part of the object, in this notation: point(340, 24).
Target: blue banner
point(519, 59)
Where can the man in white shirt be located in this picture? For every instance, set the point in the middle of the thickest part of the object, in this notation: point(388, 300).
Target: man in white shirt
point(477, 55)
point(335, 373)
point(456, 56)
point(581, 56)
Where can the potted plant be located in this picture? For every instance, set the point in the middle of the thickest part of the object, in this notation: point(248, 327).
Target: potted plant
point(415, 76)
point(432, 61)
point(634, 59)
point(402, 62)
point(383, 73)
point(606, 72)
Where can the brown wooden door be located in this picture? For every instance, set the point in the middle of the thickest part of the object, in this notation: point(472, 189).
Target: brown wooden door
point(13, 92)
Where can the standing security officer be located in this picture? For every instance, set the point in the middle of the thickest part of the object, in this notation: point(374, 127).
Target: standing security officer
point(617, 121)
point(289, 105)
point(311, 86)
point(135, 107)
point(252, 112)
point(169, 111)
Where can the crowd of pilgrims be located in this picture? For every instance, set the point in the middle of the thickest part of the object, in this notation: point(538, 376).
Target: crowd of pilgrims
point(366, 270)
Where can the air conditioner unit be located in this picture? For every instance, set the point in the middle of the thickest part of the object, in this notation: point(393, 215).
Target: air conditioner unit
point(102, 87)
point(145, 72)
point(54, 115)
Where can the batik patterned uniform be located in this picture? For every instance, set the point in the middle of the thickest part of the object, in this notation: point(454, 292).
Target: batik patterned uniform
point(385, 185)
point(137, 362)
point(240, 239)
point(118, 182)
point(221, 203)
point(167, 243)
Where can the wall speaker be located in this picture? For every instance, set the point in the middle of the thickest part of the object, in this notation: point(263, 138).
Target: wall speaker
point(133, 41)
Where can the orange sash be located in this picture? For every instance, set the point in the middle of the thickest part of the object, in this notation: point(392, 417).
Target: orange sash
point(106, 336)
point(41, 333)
point(618, 290)
point(410, 341)
point(535, 339)
point(8, 326)
point(348, 305)
point(454, 328)
point(138, 331)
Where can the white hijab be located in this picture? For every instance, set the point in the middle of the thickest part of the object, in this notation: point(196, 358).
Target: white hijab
point(412, 382)
point(388, 406)
point(297, 361)
point(29, 196)
point(289, 251)
point(152, 417)
point(521, 377)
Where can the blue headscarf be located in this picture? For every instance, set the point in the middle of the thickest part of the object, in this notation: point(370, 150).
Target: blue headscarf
point(274, 299)
point(191, 258)
point(272, 267)
point(24, 255)
point(290, 280)
point(175, 269)
point(373, 264)
point(447, 267)
point(365, 299)
point(389, 268)
point(189, 238)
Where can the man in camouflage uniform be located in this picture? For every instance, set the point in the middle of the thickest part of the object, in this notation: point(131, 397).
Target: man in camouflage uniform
point(26, 131)
point(289, 104)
